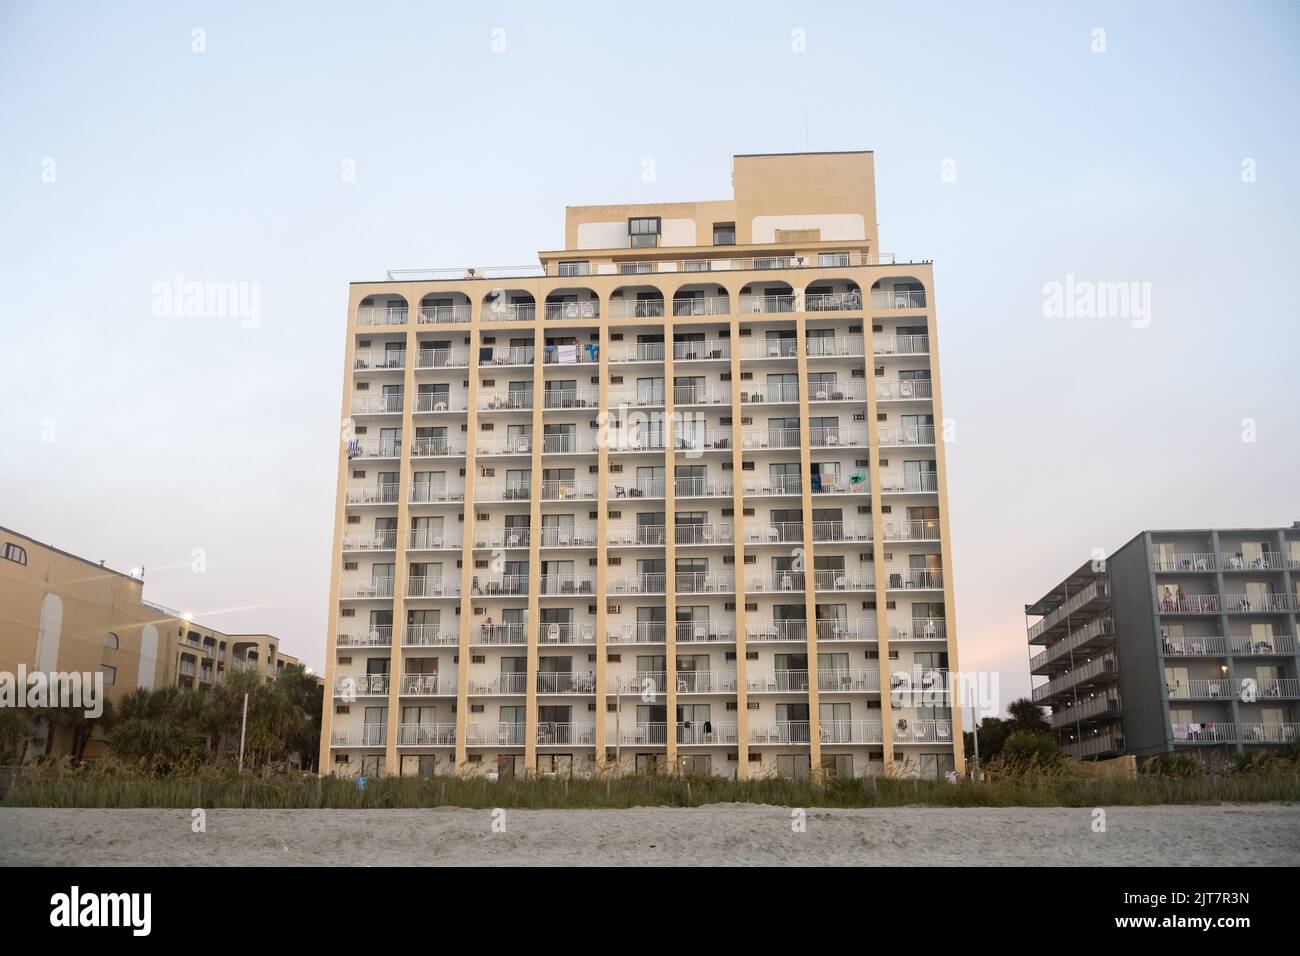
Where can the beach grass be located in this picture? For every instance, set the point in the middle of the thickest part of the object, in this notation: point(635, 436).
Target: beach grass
point(91, 787)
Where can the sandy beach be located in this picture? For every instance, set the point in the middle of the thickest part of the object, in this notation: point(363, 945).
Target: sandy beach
point(727, 834)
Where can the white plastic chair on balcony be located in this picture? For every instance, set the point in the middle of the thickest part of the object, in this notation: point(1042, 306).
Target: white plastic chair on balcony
point(700, 632)
point(553, 634)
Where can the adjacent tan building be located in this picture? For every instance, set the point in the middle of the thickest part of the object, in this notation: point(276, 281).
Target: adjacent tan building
point(62, 613)
point(673, 499)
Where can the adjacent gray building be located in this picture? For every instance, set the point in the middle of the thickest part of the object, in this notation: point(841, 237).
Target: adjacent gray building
point(1180, 642)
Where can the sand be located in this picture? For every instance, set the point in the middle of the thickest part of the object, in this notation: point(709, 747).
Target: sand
point(725, 834)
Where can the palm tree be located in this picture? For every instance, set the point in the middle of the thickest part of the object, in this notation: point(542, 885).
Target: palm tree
point(1027, 717)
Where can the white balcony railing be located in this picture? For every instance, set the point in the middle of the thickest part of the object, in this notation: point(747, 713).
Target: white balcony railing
point(438, 447)
point(379, 359)
point(919, 629)
point(430, 635)
point(441, 402)
point(426, 586)
point(566, 634)
point(428, 685)
point(905, 435)
point(434, 539)
point(426, 735)
point(898, 298)
point(428, 493)
point(377, 404)
point(379, 635)
point(370, 316)
point(900, 345)
point(366, 735)
point(362, 685)
point(443, 314)
point(914, 483)
point(376, 540)
point(362, 589)
point(908, 390)
point(443, 358)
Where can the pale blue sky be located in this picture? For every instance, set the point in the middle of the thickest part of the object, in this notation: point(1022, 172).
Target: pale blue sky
point(1071, 434)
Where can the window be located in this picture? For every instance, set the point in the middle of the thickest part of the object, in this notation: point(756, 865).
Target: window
point(15, 554)
point(575, 267)
point(644, 232)
point(110, 641)
point(724, 233)
point(110, 675)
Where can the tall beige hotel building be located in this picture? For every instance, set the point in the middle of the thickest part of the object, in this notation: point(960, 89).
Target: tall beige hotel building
point(671, 500)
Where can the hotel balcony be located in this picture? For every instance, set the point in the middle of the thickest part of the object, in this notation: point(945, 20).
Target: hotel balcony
point(819, 393)
point(642, 632)
point(774, 485)
point(776, 532)
point(378, 540)
point(516, 356)
point(773, 349)
point(1086, 640)
point(905, 436)
point(434, 539)
point(552, 734)
point(896, 298)
point(498, 635)
point(418, 586)
point(704, 582)
point(518, 400)
point(849, 680)
point(379, 360)
point(566, 634)
point(705, 733)
point(508, 538)
point(443, 314)
point(900, 345)
point(554, 682)
point(846, 436)
point(426, 735)
point(925, 529)
point(783, 394)
point(833, 301)
point(501, 585)
point(428, 402)
point(918, 579)
point(910, 390)
point(704, 305)
point(501, 311)
point(637, 488)
point(844, 579)
point(836, 346)
point(361, 589)
point(755, 438)
point(573, 311)
point(501, 491)
point(1098, 706)
point(636, 352)
point(1090, 598)
point(719, 533)
point(569, 490)
point(640, 584)
point(428, 685)
point(374, 448)
point(706, 682)
point(367, 735)
point(1205, 645)
point(651, 683)
point(1199, 690)
point(1097, 672)
point(700, 488)
point(850, 732)
point(908, 730)
point(428, 493)
point(498, 685)
point(778, 682)
point(781, 732)
point(519, 446)
point(568, 398)
point(766, 304)
point(379, 635)
point(442, 358)
point(429, 635)
point(920, 629)
point(704, 632)
point(634, 734)
point(689, 395)
point(584, 537)
point(1273, 644)
point(362, 685)
point(438, 448)
point(916, 483)
point(576, 443)
point(372, 316)
point(780, 581)
point(496, 735)
point(565, 585)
